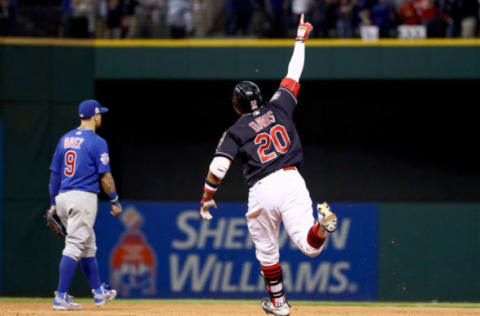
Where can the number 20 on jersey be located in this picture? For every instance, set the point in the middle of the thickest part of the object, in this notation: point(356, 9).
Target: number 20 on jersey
point(281, 143)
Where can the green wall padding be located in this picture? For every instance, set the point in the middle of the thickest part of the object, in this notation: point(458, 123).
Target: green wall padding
point(429, 252)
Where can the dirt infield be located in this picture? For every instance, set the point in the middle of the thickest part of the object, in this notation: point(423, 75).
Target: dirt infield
point(125, 308)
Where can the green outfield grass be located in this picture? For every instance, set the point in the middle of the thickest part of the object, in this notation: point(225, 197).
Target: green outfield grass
point(298, 303)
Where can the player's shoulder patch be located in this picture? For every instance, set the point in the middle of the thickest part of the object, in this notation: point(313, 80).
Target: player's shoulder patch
point(105, 158)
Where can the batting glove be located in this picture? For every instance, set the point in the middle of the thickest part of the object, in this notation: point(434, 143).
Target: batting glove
point(303, 30)
point(205, 208)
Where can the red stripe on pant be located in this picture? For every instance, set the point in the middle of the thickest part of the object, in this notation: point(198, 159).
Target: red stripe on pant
point(272, 272)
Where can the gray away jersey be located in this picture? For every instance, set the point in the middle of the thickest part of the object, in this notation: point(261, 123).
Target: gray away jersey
point(265, 140)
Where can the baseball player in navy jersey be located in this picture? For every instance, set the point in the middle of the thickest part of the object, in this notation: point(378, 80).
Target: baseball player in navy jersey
point(80, 162)
point(266, 141)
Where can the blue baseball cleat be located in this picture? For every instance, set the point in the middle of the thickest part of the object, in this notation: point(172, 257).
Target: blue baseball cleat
point(106, 294)
point(64, 301)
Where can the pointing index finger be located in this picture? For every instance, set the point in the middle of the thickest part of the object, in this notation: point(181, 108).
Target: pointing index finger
point(301, 18)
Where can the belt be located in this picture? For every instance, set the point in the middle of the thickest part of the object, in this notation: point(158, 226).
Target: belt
point(284, 169)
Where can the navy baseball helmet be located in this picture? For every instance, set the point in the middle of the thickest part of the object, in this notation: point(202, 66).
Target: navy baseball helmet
point(89, 108)
point(246, 97)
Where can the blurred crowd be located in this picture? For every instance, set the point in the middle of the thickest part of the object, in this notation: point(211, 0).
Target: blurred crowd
point(245, 18)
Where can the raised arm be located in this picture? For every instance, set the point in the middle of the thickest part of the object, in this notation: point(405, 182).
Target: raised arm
point(295, 67)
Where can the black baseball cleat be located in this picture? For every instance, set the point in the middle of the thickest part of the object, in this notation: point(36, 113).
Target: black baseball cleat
point(269, 308)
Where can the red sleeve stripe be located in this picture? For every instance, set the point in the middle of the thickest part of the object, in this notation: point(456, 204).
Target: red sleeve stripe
point(291, 85)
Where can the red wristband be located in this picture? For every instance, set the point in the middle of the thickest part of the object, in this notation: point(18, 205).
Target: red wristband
point(291, 85)
point(210, 187)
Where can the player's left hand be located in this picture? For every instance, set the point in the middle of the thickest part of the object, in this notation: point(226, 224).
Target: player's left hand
point(303, 30)
point(205, 205)
point(116, 209)
point(54, 222)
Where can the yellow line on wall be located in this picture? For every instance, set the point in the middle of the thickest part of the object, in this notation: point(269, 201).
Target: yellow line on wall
point(24, 41)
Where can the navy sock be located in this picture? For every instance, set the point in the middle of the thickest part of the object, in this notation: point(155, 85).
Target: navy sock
point(67, 271)
point(90, 267)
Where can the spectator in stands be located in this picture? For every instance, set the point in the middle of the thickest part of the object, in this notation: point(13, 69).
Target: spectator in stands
point(331, 17)
point(429, 17)
point(115, 13)
point(382, 15)
point(8, 17)
point(356, 18)
point(239, 17)
point(469, 14)
point(277, 10)
point(147, 15)
point(66, 15)
point(83, 13)
point(318, 16)
point(129, 18)
point(365, 16)
point(450, 11)
point(208, 14)
point(180, 18)
point(408, 14)
point(101, 13)
point(259, 26)
point(344, 18)
point(460, 16)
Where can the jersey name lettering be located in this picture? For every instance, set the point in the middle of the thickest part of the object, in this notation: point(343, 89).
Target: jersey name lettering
point(73, 142)
point(262, 121)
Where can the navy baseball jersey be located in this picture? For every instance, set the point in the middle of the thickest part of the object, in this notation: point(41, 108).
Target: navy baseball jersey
point(80, 157)
point(265, 140)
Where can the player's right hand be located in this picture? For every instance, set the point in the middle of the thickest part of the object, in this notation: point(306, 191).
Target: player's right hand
point(303, 30)
point(116, 209)
point(205, 205)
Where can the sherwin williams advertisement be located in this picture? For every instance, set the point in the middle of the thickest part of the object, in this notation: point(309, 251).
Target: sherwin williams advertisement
point(165, 250)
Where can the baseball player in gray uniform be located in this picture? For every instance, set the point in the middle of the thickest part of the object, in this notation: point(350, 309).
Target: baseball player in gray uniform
point(80, 163)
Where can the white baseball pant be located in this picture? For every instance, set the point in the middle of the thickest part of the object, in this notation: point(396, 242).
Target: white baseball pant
point(77, 211)
point(280, 196)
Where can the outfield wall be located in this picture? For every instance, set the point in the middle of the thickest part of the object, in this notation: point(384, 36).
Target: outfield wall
point(384, 252)
point(47, 69)
point(424, 252)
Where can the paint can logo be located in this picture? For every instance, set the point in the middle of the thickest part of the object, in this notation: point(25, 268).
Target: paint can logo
point(133, 262)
